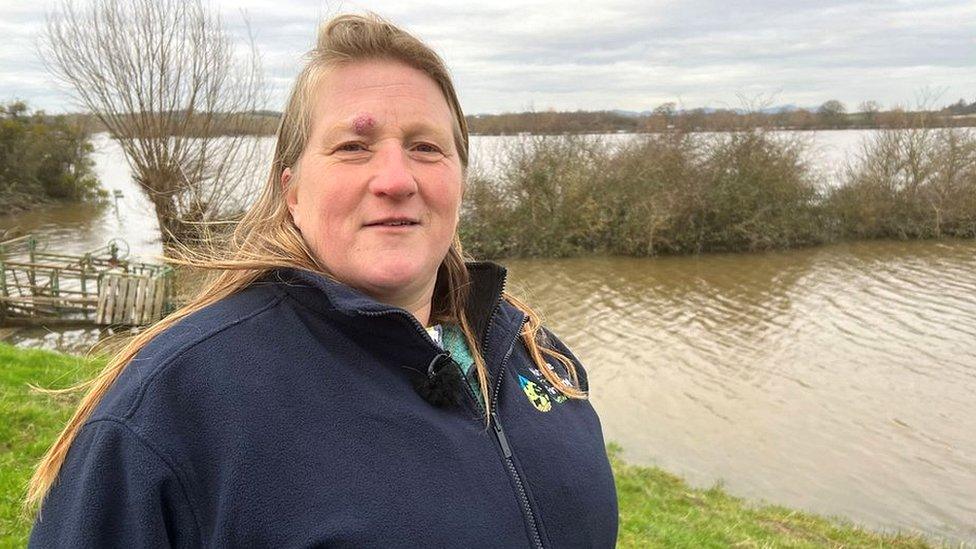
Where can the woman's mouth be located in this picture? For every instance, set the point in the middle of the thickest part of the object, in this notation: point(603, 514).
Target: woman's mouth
point(394, 222)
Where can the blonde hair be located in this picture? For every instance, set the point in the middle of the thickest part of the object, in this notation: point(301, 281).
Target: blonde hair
point(266, 238)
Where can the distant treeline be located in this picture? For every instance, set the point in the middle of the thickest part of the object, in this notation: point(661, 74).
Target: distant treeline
point(42, 158)
point(831, 115)
point(680, 192)
point(253, 123)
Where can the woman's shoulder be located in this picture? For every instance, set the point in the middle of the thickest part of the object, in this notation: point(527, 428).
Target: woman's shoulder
point(547, 339)
point(233, 316)
point(197, 347)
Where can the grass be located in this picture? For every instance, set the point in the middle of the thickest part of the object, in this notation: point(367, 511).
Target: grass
point(657, 509)
point(29, 422)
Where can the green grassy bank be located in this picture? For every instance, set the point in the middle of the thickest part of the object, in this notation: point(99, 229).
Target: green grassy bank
point(657, 509)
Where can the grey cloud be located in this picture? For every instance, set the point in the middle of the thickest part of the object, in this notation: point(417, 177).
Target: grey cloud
point(630, 54)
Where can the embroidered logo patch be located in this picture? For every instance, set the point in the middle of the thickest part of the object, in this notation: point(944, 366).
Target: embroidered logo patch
point(537, 396)
point(541, 380)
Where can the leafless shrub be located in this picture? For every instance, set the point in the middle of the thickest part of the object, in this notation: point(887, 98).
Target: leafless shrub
point(910, 181)
point(661, 194)
point(545, 200)
point(169, 83)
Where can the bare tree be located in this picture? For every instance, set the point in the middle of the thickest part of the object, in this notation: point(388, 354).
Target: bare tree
point(176, 92)
point(833, 113)
point(869, 112)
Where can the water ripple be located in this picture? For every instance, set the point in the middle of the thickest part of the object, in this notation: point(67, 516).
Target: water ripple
point(810, 378)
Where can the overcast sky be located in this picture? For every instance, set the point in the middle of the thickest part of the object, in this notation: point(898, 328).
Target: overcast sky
point(628, 54)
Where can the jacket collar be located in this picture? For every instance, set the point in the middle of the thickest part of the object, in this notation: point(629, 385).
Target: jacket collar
point(487, 282)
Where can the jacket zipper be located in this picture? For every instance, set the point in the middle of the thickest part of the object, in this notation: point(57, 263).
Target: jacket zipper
point(507, 450)
point(523, 497)
point(497, 424)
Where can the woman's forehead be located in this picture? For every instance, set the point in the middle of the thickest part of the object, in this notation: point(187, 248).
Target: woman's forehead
point(368, 97)
point(374, 86)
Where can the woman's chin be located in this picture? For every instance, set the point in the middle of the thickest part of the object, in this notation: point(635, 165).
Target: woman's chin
point(395, 277)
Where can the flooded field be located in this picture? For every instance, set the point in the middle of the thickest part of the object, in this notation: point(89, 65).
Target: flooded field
point(838, 379)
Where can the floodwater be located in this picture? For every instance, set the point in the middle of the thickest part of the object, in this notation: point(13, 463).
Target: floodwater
point(838, 379)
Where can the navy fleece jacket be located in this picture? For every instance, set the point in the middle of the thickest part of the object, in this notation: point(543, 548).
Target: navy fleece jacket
point(286, 416)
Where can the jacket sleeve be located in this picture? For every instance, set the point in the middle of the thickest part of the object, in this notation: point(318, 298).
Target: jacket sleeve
point(114, 490)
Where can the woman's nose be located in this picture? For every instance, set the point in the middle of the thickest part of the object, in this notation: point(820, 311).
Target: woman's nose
point(393, 177)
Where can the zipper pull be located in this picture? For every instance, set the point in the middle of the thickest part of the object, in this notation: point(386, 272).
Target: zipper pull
point(506, 449)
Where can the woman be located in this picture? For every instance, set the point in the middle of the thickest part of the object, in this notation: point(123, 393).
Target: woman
point(347, 380)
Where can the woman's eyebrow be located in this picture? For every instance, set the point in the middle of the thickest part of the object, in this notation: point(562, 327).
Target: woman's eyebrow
point(432, 131)
point(362, 124)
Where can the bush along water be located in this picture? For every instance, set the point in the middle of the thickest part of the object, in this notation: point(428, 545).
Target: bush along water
point(910, 183)
point(666, 193)
point(679, 193)
point(42, 159)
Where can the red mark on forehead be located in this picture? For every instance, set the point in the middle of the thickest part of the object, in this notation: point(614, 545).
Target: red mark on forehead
point(363, 123)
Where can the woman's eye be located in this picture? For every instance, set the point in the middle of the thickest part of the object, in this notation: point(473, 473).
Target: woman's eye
point(426, 148)
point(351, 147)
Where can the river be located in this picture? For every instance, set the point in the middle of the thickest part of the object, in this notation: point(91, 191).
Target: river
point(837, 379)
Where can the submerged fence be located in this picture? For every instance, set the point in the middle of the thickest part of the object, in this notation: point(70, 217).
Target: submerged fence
point(99, 287)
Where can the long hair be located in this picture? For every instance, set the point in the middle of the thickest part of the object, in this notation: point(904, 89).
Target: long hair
point(266, 237)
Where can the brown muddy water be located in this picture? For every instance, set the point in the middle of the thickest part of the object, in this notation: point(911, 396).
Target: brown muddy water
point(839, 379)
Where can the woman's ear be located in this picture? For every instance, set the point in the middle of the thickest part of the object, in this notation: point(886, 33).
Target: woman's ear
point(289, 191)
point(285, 179)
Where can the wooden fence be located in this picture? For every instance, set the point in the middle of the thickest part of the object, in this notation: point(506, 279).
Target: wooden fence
point(98, 287)
point(130, 300)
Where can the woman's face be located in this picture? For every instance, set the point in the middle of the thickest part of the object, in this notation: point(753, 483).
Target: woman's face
point(377, 190)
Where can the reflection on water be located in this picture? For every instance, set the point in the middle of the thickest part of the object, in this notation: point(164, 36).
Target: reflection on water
point(837, 379)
